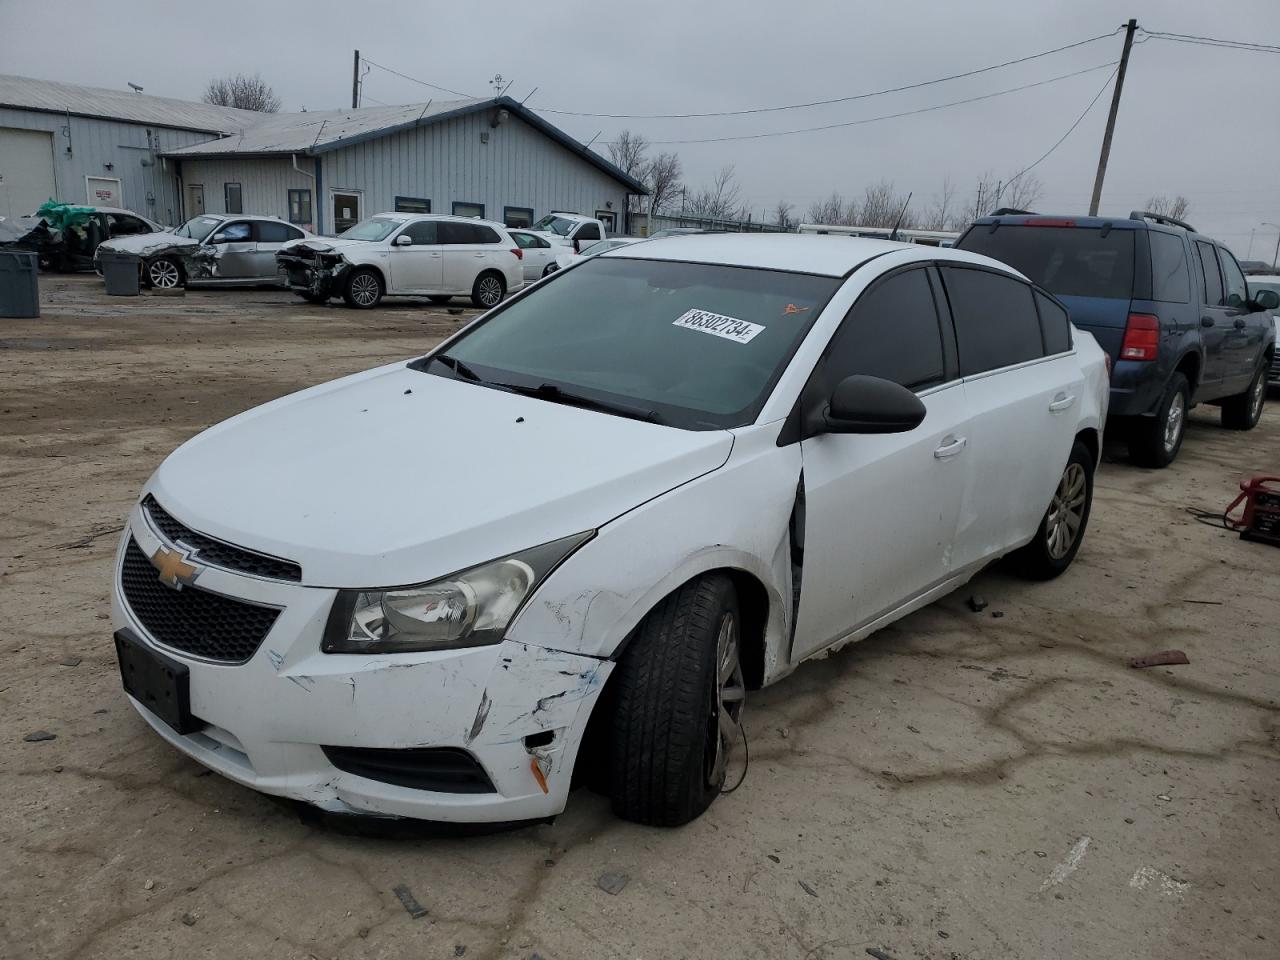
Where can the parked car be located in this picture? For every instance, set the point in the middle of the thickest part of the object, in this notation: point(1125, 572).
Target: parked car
point(213, 249)
point(568, 258)
point(584, 527)
point(539, 254)
point(1260, 267)
point(407, 255)
point(1169, 305)
point(569, 230)
point(66, 236)
point(1258, 285)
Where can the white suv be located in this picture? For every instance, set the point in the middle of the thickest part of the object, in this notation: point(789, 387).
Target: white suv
point(410, 255)
point(569, 230)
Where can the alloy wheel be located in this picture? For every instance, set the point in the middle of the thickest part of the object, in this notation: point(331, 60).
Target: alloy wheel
point(490, 291)
point(1174, 421)
point(724, 726)
point(1066, 513)
point(364, 290)
point(163, 274)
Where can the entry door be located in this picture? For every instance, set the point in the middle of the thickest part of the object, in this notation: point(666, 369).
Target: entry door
point(418, 267)
point(466, 253)
point(1215, 319)
point(104, 191)
point(237, 251)
point(344, 209)
point(881, 509)
point(195, 199)
point(26, 171)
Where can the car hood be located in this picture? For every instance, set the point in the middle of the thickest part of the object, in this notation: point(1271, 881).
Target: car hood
point(395, 476)
point(327, 244)
point(553, 237)
point(146, 243)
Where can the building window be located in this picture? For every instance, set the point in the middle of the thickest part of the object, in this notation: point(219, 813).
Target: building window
point(517, 216)
point(463, 209)
point(300, 206)
point(231, 194)
point(413, 205)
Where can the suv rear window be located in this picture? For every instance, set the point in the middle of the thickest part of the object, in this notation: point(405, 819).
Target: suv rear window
point(1067, 261)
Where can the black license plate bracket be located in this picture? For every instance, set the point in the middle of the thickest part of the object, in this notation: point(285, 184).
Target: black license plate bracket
point(159, 682)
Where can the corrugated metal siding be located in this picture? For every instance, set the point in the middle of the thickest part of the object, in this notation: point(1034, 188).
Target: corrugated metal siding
point(446, 162)
point(150, 191)
point(265, 183)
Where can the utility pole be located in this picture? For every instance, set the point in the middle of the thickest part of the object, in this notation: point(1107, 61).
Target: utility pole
point(355, 81)
point(1130, 27)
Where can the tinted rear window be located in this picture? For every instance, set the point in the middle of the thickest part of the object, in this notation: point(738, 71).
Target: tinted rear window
point(1054, 325)
point(995, 319)
point(1170, 280)
point(1067, 261)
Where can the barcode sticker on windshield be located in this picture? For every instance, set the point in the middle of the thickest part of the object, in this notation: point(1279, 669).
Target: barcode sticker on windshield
point(739, 331)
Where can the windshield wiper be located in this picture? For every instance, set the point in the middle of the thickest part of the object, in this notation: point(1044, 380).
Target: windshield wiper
point(553, 393)
point(458, 367)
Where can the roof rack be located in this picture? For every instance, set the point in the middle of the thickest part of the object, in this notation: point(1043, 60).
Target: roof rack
point(1161, 218)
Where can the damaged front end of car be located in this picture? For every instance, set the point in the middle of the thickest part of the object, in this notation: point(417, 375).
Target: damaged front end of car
point(313, 269)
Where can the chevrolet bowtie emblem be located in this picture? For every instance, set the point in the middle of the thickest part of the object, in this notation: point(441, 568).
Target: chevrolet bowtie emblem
point(175, 570)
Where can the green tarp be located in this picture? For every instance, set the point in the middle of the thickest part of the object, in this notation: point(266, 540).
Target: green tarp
point(61, 216)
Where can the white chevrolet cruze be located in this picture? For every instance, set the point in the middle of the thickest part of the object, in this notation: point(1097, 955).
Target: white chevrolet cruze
point(578, 532)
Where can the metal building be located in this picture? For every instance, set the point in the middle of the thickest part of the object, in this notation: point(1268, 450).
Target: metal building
point(170, 159)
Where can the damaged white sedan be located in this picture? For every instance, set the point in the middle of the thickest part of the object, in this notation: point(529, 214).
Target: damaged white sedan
point(579, 532)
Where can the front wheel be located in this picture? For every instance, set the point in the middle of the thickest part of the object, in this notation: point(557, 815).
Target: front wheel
point(1062, 528)
point(163, 273)
point(363, 289)
point(488, 290)
point(1156, 440)
point(678, 710)
point(1244, 410)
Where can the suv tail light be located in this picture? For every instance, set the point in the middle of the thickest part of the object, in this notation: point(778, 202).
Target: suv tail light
point(1141, 337)
point(518, 252)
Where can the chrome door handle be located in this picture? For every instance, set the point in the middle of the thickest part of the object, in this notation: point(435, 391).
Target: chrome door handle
point(1061, 402)
point(950, 447)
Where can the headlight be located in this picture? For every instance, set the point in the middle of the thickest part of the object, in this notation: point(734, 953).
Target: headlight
point(467, 609)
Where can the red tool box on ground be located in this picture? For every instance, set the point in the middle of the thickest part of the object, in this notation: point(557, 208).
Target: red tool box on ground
point(1261, 519)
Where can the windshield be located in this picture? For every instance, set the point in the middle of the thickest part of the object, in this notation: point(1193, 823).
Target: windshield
point(373, 229)
point(700, 345)
point(197, 228)
point(1067, 261)
point(554, 224)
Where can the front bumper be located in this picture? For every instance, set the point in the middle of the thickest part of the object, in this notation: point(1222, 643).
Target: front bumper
point(266, 720)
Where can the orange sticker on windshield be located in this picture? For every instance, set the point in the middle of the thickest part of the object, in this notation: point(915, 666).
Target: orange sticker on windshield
point(792, 308)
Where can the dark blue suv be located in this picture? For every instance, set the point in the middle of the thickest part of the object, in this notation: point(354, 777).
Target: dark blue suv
point(1169, 305)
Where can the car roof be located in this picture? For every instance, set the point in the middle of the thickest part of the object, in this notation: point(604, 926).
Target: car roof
point(406, 217)
point(823, 254)
point(1065, 220)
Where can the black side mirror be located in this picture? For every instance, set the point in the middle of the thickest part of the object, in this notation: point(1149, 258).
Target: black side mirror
point(862, 404)
point(1267, 300)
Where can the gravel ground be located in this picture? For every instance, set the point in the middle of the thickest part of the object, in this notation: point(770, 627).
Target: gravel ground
point(960, 785)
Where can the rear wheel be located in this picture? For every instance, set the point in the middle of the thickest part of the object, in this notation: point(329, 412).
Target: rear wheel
point(1243, 411)
point(488, 290)
point(678, 709)
point(1062, 527)
point(363, 289)
point(163, 273)
point(1155, 441)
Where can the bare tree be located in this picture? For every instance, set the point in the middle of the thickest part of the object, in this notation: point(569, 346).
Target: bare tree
point(832, 210)
point(941, 212)
point(784, 216)
point(882, 206)
point(1021, 192)
point(1166, 206)
point(629, 154)
point(721, 200)
point(662, 177)
point(243, 91)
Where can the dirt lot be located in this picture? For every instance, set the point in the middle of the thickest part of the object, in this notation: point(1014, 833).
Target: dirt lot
point(959, 786)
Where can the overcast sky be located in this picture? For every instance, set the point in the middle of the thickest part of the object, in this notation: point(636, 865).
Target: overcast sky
point(1195, 120)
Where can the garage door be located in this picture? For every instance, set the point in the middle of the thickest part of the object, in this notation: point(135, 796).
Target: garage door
point(26, 171)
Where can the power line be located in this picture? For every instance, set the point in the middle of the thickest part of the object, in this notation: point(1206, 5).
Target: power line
point(888, 116)
point(433, 86)
point(1213, 41)
point(821, 103)
point(1070, 130)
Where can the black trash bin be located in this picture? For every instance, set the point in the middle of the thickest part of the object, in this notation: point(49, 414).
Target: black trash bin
point(121, 271)
point(19, 284)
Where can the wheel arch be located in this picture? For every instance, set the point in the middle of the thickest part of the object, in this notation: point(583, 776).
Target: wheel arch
point(1093, 443)
point(1190, 366)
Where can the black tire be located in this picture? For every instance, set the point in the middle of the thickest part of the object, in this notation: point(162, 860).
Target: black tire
point(484, 294)
point(163, 273)
point(439, 298)
point(1042, 558)
point(310, 297)
point(363, 289)
point(549, 269)
point(1244, 410)
point(1150, 444)
point(665, 727)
